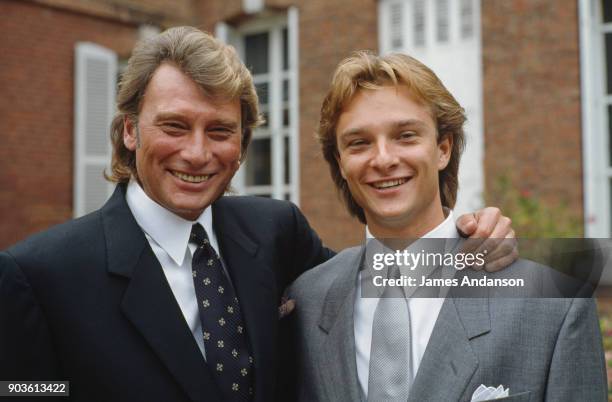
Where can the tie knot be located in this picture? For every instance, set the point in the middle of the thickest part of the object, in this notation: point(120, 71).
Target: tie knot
point(198, 235)
point(393, 272)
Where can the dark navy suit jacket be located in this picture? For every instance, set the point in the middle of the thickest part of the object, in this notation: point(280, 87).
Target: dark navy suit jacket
point(87, 301)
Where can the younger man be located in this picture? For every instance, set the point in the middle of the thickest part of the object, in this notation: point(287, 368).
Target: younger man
point(393, 135)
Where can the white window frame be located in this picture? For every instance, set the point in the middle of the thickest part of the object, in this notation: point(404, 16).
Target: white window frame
point(83, 52)
point(597, 172)
point(274, 26)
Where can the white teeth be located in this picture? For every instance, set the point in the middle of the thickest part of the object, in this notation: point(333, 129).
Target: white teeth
point(390, 183)
point(191, 179)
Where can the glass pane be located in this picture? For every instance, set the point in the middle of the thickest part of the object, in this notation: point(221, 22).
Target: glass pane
point(286, 160)
point(285, 90)
point(266, 117)
point(285, 117)
point(285, 49)
point(607, 10)
point(396, 26)
point(467, 18)
point(265, 195)
point(258, 165)
point(287, 197)
point(442, 18)
point(609, 61)
point(256, 52)
point(419, 22)
point(262, 92)
point(610, 135)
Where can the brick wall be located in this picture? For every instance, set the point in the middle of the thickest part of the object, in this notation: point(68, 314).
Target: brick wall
point(36, 110)
point(329, 31)
point(532, 99)
point(157, 12)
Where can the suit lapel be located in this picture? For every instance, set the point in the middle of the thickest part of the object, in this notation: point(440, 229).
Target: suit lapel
point(148, 302)
point(337, 362)
point(255, 286)
point(449, 361)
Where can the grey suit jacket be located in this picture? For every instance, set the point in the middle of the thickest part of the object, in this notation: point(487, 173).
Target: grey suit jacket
point(542, 349)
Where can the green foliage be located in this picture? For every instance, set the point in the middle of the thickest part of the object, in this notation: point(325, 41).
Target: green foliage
point(605, 323)
point(531, 217)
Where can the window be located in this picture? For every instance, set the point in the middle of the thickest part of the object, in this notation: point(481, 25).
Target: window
point(94, 87)
point(268, 48)
point(596, 85)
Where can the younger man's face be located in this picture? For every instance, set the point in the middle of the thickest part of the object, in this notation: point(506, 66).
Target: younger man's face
point(390, 157)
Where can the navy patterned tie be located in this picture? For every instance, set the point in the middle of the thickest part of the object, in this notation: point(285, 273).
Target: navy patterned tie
point(223, 330)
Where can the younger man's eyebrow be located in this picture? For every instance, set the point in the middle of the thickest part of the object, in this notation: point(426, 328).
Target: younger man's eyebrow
point(409, 123)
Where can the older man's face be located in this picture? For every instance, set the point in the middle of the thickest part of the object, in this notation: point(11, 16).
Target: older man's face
point(189, 145)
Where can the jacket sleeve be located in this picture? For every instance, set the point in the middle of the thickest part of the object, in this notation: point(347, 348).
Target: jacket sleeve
point(26, 349)
point(577, 371)
point(308, 250)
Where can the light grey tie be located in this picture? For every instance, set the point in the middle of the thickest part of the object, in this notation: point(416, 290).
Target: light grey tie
point(390, 374)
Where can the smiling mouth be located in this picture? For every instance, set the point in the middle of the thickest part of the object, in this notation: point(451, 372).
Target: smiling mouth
point(381, 185)
point(191, 178)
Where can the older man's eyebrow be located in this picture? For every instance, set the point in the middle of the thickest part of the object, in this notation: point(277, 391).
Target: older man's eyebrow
point(166, 116)
point(351, 132)
point(162, 116)
point(225, 123)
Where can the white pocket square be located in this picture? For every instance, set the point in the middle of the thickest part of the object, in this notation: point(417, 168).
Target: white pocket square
point(484, 393)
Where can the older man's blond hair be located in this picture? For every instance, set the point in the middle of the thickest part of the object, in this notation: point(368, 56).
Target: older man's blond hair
point(214, 66)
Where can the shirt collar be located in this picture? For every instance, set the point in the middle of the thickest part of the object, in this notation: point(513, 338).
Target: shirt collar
point(168, 230)
point(445, 230)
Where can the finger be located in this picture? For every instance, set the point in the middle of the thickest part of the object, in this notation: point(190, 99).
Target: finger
point(471, 245)
point(502, 229)
point(476, 267)
point(487, 220)
point(286, 308)
point(502, 262)
point(466, 224)
point(504, 248)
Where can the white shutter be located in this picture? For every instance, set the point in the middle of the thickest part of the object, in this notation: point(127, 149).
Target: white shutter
point(94, 97)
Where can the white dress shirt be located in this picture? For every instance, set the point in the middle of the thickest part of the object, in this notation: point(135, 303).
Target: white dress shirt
point(168, 234)
point(423, 315)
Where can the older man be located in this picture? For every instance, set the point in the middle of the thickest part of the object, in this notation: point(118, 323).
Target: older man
point(170, 291)
point(393, 135)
